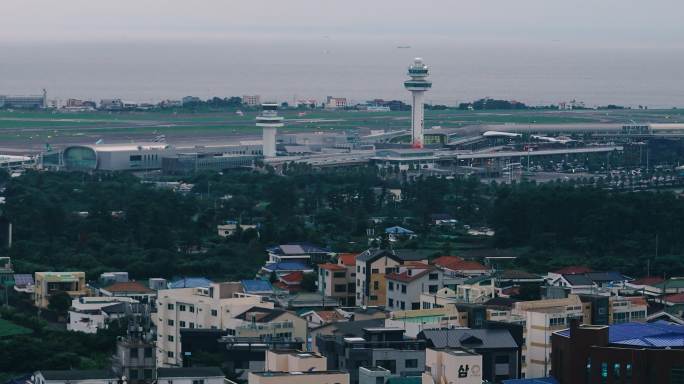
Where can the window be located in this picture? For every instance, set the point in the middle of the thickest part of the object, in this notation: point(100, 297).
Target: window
point(340, 288)
point(358, 282)
point(379, 380)
point(134, 353)
point(214, 312)
point(169, 307)
point(556, 321)
point(133, 373)
point(433, 288)
point(373, 297)
point(375, 271)
point(148, 352)
point(620, 317)
point(191, 308)
point(403, 288)
point(415, 306)
point(181, 307)
point(433, 276)
point(390, 286)
point(182, 324)
point(169, 354)
point(402, 305)
point(390, 303)
point(358, 269)
point(200, 381)
point(169, 338)
point(169, 322)
point(135, 158)
point(411, 363)
point(628, 373)
point(147, 374)
point(192, 325)
point(339, 274)
point(376, 285)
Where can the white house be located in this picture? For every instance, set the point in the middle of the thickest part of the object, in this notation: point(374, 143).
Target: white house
point(88, 314)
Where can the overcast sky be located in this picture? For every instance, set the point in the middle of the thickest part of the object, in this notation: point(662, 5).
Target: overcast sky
point(597, 22)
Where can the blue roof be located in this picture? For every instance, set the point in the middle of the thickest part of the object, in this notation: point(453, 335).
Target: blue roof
point(660, 334)
point(256, 286)
point(190, 282)
point(541, 380)
point(399, 230)
point(287, 266)
point(297, 248)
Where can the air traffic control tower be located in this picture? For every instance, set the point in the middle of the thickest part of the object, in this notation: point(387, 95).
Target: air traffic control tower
point(269, 121)
point(417, 85)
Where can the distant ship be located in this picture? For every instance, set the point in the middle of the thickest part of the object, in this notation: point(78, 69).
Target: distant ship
point(403, 46)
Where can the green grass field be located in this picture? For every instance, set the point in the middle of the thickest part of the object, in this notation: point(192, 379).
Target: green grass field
point(32, 127)
point(9, 329)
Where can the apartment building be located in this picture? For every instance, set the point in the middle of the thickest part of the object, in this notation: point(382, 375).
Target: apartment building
point(315, 377)
point(332, 281)
point(372, 267)
point(49, 283)
point(541, 318)
point(215, 307)
point(90, 314)
point(410, 280)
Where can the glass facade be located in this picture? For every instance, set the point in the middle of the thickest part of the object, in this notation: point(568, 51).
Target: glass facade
point(79, 158)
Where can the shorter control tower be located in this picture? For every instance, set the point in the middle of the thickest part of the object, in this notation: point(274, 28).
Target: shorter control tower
point(269, 121)
point(417, 85)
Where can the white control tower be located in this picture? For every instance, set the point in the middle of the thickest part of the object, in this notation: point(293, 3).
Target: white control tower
point(269, 121)
point(417, 85)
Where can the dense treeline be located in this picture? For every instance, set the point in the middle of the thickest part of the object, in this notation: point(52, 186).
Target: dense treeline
point(607, 230)
point(107, 222)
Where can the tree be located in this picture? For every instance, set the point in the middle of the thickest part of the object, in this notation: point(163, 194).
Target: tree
point(309, 282)
point(60, 302)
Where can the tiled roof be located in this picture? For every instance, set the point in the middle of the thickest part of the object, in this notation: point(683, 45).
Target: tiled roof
point(332, 267)
point(573, 270)
point(677, 298)
point(446, 261)
point(647, 281)
point(578, 279)
point(675, 282)
point(399, 230)
point(468, 265)
point(252, 286)
point(348, 259)
point(660, 334)
point(128, 287)
point(471, 338)
point(293, 277)
point(330, 315)
point(609, 276)
point(69, 375)
point(404, 276)
point(190, 282)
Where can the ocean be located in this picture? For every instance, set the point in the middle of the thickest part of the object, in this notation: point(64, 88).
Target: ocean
point(360, 70)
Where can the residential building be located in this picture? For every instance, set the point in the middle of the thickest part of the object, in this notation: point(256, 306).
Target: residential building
point(49, 283)
point(621, 353)
point(214, 307)
point(6, 271)
point(307, 300)
point(380, 375)
point(135, 357)
point(90, 314)
point(332, 281)
point(257, 287)
point(264, 323)
point(317, 318)
point(327, 335)
point(541, 318)
point(498, 350)
point(456, 366)
point(289, 282)
point(299, 252)
point(24, 283)
point(674, 304)
point(131, 289)
point(294, 361)
point(383, 347)
point(193, 375)
point(405, 286)
point(111, 104)
point(593, 283)
point(314, 377)
point(372, 266)
point(240, 355)
point(670, 286)
point(284, 268)
point(229, 228)
point(459, 265)
point(74, 377)
point(397, 233)
point(415, 321)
